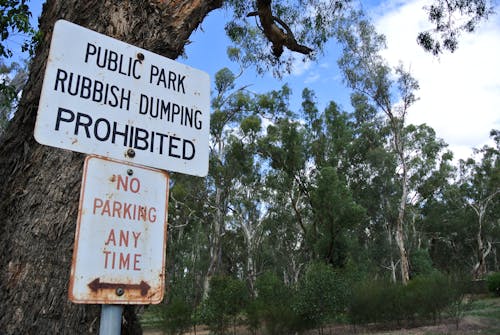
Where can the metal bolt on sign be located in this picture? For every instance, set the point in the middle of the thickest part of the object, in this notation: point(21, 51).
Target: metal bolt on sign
point(131, 153)
point(120, 291)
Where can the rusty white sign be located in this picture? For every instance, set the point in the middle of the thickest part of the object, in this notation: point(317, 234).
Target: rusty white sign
point(120, 239)
point(105, 97)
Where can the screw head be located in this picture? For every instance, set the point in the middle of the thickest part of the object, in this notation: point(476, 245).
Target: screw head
point(130, 172)
point(131, 153)
point(120, 291)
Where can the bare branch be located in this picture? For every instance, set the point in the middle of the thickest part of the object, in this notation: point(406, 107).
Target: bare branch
point(279, 37)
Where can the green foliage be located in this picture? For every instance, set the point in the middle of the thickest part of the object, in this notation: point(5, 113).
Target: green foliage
point(226, 300)
point(429, 295)
point(251, 124)
point(322, 294)
point(14, 19)
point(334, 213)
point(443, 13)
point(493, 281)
point(175, 317)
point(421, 263)
point(224, 80)
point(274, 304)
point(424, 298)
point(375, 301)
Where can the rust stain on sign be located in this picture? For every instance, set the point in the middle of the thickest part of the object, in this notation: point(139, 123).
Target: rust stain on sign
point(119, 288)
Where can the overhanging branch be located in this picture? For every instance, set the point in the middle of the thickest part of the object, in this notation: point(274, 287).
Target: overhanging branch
point(277, 31)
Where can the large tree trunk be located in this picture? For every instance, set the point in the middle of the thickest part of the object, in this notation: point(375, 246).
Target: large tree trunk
point(40, 185)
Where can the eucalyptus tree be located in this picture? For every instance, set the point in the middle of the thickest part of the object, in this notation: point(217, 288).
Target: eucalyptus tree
point(421, 160)
point(479, 180)
point(230, 106)
point(447, 226)
point(371, 179)
point(366, 72)
point(247, 203)
point(309, 160)
point(460, 220)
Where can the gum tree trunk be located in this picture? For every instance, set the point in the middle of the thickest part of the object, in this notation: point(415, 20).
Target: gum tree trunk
point(40, 185)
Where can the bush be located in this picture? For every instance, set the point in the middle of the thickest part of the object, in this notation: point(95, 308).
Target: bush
point(423, 298)
point(322, 295)
point(493, 282)
point(226, 300)
point(421, 263)
point(274, 305)
point(176, 317)
point(429, 295)
point(376, 301)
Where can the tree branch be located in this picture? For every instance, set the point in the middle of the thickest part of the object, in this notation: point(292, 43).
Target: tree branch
point(279, 37)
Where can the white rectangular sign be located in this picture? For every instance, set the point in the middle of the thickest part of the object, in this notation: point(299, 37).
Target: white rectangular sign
point(103, 96)
point(120, 238)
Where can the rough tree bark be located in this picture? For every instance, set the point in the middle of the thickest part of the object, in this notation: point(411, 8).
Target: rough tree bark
point(40, 185)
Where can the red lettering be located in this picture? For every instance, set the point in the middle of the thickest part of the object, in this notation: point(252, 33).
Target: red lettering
point(142, 213)
point(123, 239)
point(111, 238)
point(106, 209)
point(124, 261)
point(106, 253)
point(123, 183)
point(106, 259)
point(117, 207)
point(110, 258)
point(97, 204)
point(136, 235)
point(126, 211)
point(152, 214)
point(135, 185)
point(136, 262)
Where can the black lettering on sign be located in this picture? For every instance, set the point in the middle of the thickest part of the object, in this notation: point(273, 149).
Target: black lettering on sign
point(168, 79)
point(169, 111)
point(105, 130)
point(113, 61)
point(89, 89)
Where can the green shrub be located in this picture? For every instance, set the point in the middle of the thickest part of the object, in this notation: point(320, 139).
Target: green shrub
point(493, 282)
point(176, 317)
point(376, 301)
point(423, 298)
point(430, 295)
point(226, 300)
point(274, 305)
point(421, 263)
point(322, 295)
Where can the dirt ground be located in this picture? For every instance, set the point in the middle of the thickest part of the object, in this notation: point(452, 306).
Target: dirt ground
point(468, 326)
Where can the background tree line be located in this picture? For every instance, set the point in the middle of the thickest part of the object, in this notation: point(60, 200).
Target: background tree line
point(297, 222)
point(322, 210)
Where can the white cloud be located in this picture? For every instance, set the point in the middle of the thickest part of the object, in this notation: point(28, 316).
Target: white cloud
point(459, 92)
point(300, 65)
point(312, 77)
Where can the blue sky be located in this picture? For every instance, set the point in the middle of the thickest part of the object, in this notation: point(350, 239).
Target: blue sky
point(459, 95)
